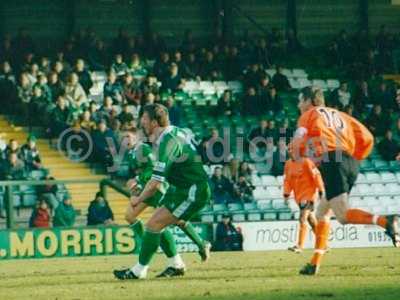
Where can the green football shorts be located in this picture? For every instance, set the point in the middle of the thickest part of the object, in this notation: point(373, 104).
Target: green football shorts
point(185, 203)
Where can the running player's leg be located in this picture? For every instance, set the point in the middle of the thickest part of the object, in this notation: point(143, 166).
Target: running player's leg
point(204, 246)
point(131, 216)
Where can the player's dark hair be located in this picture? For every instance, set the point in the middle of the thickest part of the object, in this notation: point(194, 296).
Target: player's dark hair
point(158, 113)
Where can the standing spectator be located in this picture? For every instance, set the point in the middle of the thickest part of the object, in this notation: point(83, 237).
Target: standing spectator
point(40, 217)
point(226, 106)
point(192, 67)
point(85, 79)
point(113, 89)
point(386, 98)
point(64, 215)
point(280, 81)
point(362, 97)
point(99, 212)
point(221, 187)
point(174, 112)
point(30, 154)
point(7, 87)
point(227, 237)
point(388, 148)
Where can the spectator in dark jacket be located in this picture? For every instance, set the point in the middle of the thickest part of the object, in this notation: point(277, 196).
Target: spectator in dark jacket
point(388, 148)
point(172, 82)
point(113, 89)
point(85, 78)
point(103, 140)
point(226, 106)
point(13, 168)
point(378, 122)
point(59, 117)
point(64, 214)
point(48, 193)
point(227, 237)
point(174, 112)
point(251, 104)
point(40, 217)
point(221, 187)
point(280, 81)
point(99, 212)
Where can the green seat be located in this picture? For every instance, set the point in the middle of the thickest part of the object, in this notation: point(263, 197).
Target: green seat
point(381, 165)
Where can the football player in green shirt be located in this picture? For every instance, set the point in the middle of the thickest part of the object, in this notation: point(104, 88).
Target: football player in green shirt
point(179, 165)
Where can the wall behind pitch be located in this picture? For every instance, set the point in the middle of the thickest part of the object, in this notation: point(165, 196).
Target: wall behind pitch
point(319, 20)
point(268, 14)
point(45, 19)
point(171, 18)
point(383, 12)
point(106, 16)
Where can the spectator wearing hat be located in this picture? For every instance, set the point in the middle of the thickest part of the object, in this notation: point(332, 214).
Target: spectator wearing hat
point(30, 154)
point(40, 217)
point(227, 236)
point(99, 212)
point(64, 214)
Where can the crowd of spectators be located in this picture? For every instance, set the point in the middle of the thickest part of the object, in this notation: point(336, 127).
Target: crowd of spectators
point(54, 90)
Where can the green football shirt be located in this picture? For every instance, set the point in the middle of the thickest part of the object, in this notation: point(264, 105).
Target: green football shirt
point(177, 160)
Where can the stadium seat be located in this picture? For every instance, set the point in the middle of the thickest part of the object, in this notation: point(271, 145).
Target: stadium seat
point(29, 200)
point(377, 189)
point(381, 165)
point(294, 83)
point(392, 188)
point(280, 179)
point(232, 207)
point(254, 216)
point(252, 206)
point(299, 73)
point(370, 201)
point(304, 82)
point(270, 216)
point(332, 84)
point(256, 180)
point(388, 177)
point(320, 84)
point(361, 178)
point(264, 205)
point(238, 217)
point(270, 72)
point(284, 216)
point(269, 180)
point(372, 177)
point(219, 208)
point(274, 192)
point(279, 204)
point(367, 165)
point(260, 193)
point(207, 218)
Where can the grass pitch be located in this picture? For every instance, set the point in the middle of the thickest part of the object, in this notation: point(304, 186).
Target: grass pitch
point(345, 274)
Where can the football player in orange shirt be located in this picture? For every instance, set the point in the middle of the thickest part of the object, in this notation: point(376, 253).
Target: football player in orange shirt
point(303, 178)
point(339, 142)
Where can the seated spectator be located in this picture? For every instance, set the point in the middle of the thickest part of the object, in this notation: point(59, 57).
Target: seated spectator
point(136, 65)
point(94, 111)
point(113, 89)
point(64, 215)
point(125, 115)
point(48, 193)
point(192, 69)
point(386, 98)
point(75, 142)
point(40, 217)
point(87, 122)
point(24, 94)
point(285, 131)
point(251, 104)
point(42, 83)
point(221, 187)
point(259, 136)
point(99, 212)
point(174, 111)
point(103, 139)
point(56, 87)
point(30, 154)
point(213, 148)
point(85, 79)
point(131, 90)
point(75, 94)
point(362, 97)
point(396, 130)
point(243, 190)
point(150, 85)
point(13, 147)
point(280, 81)
point(33, 73)
point(378, 122)
point(7, 87)
point(388, 148)
point(161, 67)
point(61, 71)
point(39, 106)
point(231, 169)
point(246, 171)
point(209, 69)
point(106, 109)
point(13, 168)
point(60, 117)
point(227, 237)
point(44, 66)
point(226, 106)
point(119, 67)
point(275, 100)
point(172, 82)
point(253, 75)
point(342, 96)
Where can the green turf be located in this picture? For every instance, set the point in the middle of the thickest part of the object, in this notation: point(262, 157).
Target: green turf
point(346, 274)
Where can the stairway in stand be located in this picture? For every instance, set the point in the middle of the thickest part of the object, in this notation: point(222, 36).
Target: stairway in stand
point(61, 168)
